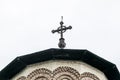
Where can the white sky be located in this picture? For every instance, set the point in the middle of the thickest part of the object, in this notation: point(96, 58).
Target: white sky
point(25, 27)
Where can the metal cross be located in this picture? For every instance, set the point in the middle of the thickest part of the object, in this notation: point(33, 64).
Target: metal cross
point(61, 30)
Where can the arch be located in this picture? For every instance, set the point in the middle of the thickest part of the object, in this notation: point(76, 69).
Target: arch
point(42, 73)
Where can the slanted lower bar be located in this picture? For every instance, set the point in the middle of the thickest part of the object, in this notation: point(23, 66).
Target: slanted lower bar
point(70, 27)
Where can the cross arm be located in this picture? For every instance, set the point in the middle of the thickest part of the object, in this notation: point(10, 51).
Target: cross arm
point(65, 28)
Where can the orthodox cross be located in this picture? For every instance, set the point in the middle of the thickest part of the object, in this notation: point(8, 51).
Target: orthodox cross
point(61, 30)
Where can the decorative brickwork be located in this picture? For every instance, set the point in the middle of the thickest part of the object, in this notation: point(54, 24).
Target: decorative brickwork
point(22, 78)
point(60, 73)
point(88, 76)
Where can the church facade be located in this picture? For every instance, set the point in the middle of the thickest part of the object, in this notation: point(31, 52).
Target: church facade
point(60, 64)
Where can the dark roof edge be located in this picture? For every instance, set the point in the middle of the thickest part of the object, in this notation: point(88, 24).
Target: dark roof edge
point(66, 54)
point(16, 66)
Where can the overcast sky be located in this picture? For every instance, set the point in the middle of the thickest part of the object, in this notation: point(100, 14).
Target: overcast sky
point(25, 27)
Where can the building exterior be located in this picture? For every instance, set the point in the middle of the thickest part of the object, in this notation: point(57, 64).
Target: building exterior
point(60, 64)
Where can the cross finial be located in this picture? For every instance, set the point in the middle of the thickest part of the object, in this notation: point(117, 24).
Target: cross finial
point(61, 30)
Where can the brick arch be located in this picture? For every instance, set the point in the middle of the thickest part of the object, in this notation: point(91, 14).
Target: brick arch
point(60, 73)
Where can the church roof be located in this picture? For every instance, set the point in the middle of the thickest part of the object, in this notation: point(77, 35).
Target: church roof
point(19, 63)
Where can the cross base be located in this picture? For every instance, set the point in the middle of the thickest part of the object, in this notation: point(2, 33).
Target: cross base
point(62, 43)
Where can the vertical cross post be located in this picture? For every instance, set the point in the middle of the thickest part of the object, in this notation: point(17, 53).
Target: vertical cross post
point(61, 30)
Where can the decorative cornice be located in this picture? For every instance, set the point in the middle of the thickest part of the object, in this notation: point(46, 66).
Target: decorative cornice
point(60, 73)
